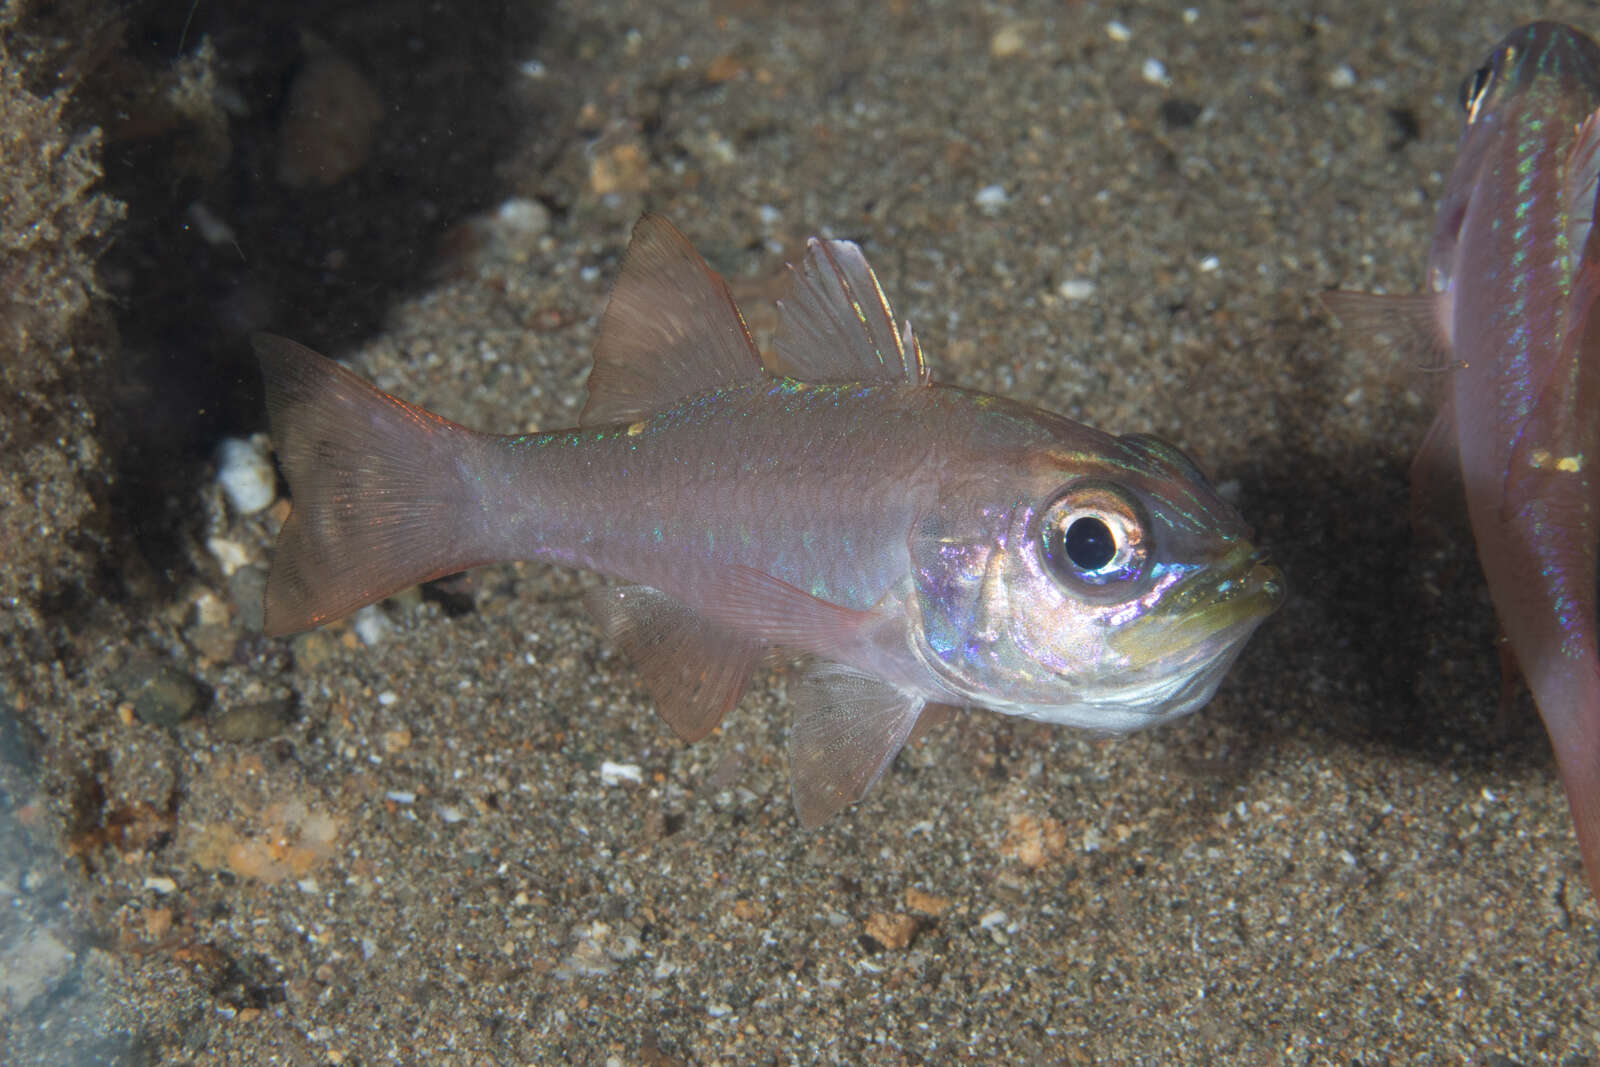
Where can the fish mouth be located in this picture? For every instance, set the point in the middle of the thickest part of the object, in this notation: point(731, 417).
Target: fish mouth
point(1211, 611)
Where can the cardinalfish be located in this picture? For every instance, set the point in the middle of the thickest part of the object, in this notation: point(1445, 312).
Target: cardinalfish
point(1512, 280)
point(917, 544)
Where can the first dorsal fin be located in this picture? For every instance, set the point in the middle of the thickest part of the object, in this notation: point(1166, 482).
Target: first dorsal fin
point(670, 331)
point(836, 324)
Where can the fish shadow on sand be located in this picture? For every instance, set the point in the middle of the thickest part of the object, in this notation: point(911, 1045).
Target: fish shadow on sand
point(217, 243)
point(1388, 639)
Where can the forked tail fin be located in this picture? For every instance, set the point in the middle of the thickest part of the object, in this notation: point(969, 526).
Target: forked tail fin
point(382, 490)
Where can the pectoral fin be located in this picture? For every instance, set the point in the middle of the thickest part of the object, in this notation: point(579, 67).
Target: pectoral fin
point(694, 670)
point(1405, 322)
point(848, 728)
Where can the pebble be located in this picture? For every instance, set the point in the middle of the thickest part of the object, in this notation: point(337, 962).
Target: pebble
point(621, 168)
point(920, 900)
point(161, 695)
point(330, 123)
point(1008, 41)
point(891, 930)
point(247, 588)
point(1076, 289)
point(30, 967)
point(230, 555)
point(991, 198)
point(215, 643)
point(371, 625)
point(244, 470)
point(314, 650)
point(617, 773)
point(252, 722)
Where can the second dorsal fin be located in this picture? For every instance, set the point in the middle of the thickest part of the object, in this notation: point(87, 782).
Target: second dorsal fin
point(836, 325)
point(670, 331)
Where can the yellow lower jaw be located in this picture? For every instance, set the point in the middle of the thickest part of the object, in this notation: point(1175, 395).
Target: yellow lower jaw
point(1172, 632)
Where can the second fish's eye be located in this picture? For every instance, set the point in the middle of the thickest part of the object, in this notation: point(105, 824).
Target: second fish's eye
point(1094, 535)
point(1473, 86)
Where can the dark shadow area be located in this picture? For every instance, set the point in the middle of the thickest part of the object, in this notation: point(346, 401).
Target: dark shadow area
point(1411, 664)
point(415, 107)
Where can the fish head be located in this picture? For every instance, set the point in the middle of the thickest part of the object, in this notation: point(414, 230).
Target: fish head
point(1532, 90)
point(1105, 587)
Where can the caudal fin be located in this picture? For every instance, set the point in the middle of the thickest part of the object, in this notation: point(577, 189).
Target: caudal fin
point(379, 496)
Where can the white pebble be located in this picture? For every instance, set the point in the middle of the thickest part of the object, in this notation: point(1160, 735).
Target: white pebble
point(524, 215)
point(617, 773)
point(230, 555)
point(991, 198)
point(1210, 264)
point(246, 474)
point(401, 796)
point(1118, 32)
point(1342, 77)
point(157, 884)
point(1155, 72)
point(371, 625)
point(1076, 289)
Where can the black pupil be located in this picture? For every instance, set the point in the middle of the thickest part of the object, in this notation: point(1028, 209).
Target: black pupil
point(1090, 545)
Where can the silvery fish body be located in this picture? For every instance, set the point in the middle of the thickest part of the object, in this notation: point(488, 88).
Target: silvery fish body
point(1513, 276)
point(920, 544)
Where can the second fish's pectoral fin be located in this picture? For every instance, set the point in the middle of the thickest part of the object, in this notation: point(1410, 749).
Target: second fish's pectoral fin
point(837, 326)
point(1403, 322)
point(848, 728)
point(671, 330)
point(695, 671)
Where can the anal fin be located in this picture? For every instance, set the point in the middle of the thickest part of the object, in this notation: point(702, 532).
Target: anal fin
point(848, 728)
point(695, 671)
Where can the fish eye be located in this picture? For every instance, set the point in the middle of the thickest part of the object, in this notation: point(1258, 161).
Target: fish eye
point(1473, 88)
point(1094, 535)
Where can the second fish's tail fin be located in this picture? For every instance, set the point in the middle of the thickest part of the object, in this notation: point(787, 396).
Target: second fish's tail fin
point(383, 491)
